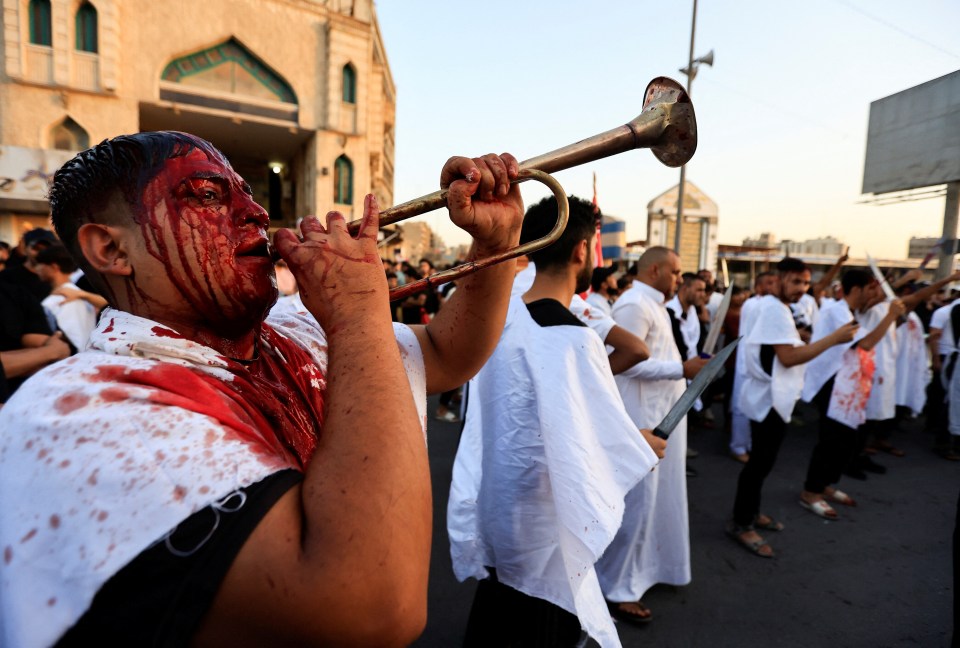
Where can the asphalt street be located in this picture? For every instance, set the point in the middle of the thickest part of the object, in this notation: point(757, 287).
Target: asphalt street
point(880, 576)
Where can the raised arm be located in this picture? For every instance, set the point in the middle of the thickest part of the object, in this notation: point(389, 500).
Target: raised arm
point(828, 277)
point(342, 559)
point(871, 339)
point(458, 341)
point(790, 355)
point(922, 295)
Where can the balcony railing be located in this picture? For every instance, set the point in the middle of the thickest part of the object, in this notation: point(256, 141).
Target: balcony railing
point(85, 71)
point(39, 62)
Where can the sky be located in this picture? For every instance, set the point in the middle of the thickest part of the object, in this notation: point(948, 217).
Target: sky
point(782, 114)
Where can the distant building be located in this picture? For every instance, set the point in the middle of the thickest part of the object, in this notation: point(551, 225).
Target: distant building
point(297, 93)
point(416, 241)
point(919, 246)
point(613, 238)
point(698, 245)
point(765, 240)
point(826, 246)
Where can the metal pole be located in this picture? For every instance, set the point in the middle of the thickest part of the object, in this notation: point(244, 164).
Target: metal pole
point(950, 213)
point(683, 169)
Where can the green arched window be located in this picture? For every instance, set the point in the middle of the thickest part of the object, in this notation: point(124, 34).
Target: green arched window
point(349, 84)
point(41, 32)
point(343, 181)
point(86, 24)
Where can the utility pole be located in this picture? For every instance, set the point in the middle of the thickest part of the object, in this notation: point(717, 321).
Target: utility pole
point(691, 72)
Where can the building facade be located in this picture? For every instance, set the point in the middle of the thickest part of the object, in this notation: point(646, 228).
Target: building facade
point(698, 235)
point(297, 93)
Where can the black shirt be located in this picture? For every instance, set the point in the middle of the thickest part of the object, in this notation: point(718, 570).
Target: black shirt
point(162, 595)
point(20, 314)
point(550, 312)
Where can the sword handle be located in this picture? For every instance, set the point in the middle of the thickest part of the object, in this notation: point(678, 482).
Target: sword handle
point(657, 432)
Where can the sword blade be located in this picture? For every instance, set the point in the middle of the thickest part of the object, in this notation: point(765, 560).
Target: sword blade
point(711, 342)
point(887, 290)
point(706, 376)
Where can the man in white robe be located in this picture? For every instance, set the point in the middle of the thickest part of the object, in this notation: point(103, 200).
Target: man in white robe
point(840, 381)
point(190, 476)
point(653, 544)
point(740, 441)
point(912, 366)
point(775, 358)
point(547, 456)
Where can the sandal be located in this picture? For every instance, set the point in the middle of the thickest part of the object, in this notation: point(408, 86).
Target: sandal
point(753, 546)
point(886, 446)
point(769, 525)
point(820, 508)
point(621, 613)
point(839, 497)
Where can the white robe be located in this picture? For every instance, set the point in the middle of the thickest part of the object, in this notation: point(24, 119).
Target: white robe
point(882, 405)
point(912, 365)
point(104, 453)
point(689, 326)
point(76, 318)
point(546, 458)
point(740, 435)
point(653, 544)
point(780, 390)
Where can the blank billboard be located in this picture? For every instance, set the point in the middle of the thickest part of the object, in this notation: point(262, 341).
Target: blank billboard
point(913, 139)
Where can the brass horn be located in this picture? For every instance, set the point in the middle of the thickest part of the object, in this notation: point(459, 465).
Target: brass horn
point(667, 125)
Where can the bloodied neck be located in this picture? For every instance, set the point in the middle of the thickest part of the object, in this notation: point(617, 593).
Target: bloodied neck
point(268, 460)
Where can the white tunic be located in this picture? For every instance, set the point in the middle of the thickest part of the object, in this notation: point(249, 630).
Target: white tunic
point(76, 318)
point(740, 436)
point(104, 453)
point(827, 364)
point(883, 394)
point(597, 319)
point(546, 458)
point(912, 365)
point(780, 390)
point(940, 319)
point(653, 544)
point(689, 325)
point(599, 302)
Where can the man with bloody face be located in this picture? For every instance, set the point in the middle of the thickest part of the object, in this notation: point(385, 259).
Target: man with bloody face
point(210, 471)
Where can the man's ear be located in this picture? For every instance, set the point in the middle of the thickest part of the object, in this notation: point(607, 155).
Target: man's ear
point(579, 254)
point(100, 245)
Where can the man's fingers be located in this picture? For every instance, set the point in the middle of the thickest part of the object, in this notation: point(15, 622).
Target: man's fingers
point(284, 241)
point(488, 181)
point(498, 169)
point(513, 167)
point(458, 168)
point(371, 218)
point(311, 225)
point(336, 223)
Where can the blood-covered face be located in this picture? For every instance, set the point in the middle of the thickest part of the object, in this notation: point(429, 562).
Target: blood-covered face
point(207, 244)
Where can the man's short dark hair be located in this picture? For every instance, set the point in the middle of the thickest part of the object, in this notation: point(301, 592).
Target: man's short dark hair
point(599, 277)
point(690, 277)
point(57, 255)
point(791, 264)
point(855, 278)
point(540, 219)
point(123, 166)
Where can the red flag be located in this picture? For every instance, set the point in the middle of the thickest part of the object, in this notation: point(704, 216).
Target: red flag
point(598, 253)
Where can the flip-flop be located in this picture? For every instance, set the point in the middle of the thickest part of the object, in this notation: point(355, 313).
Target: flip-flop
point(821, 509)
point(622, 615)
point(771, 525)
point(889, 449)
point(839, 497)
point(753, 546)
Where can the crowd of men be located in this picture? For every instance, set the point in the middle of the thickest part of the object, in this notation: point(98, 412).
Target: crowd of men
point(216, 447)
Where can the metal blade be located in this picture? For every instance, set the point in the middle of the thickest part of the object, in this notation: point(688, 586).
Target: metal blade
point(887, 290)
point(711, 342)
point(710, 371)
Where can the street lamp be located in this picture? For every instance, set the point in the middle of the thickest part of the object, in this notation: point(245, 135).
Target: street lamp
point(691, 72)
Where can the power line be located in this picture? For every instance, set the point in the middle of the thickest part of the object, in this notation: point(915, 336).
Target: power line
point(894, 27)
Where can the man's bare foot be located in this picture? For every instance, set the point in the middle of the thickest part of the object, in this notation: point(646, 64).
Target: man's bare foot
point(816, 504)
point(832, 494)
point(632, 612)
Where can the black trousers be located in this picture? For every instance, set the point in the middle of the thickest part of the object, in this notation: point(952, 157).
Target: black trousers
point(836, 445)
point(502, 617)
point(767, 438)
